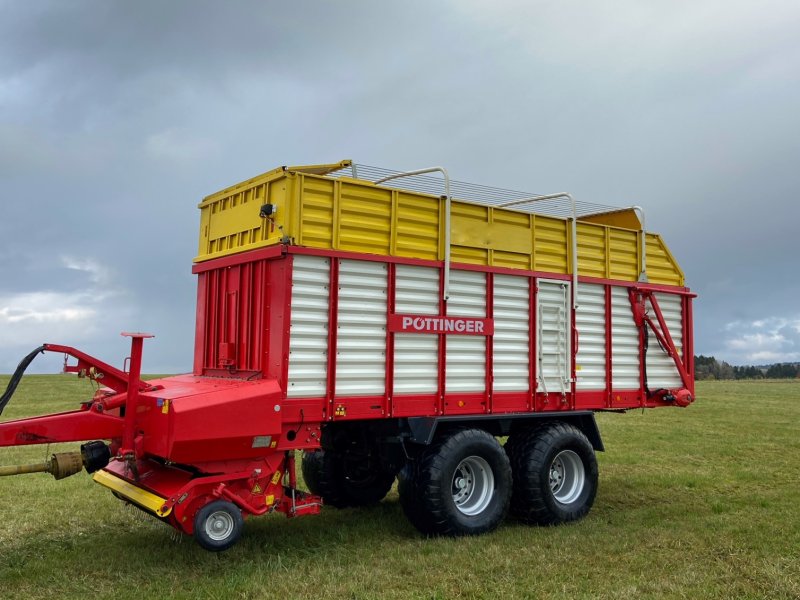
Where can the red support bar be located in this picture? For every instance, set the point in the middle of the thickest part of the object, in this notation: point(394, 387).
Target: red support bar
point(442, 366)
point(137, 342)
point(688, 339)
point(391, 275)
point(103, 373)
point(488, 391)
point(533, 351)
point(573, 373)
point(609, 346)
point(333, 312)
point(666, 339)
point(638, 298)
point(73, 426)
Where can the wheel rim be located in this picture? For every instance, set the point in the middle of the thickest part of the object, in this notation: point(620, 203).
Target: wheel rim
point(567, 477)
point(219, 525)
point(473, 485)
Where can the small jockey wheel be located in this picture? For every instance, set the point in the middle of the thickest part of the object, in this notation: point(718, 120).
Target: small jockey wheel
point(218, 525)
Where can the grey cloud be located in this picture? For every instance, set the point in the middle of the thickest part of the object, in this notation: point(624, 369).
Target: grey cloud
point(117, 117)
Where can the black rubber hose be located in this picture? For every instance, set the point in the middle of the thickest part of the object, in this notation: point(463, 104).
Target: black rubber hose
point(15, 378)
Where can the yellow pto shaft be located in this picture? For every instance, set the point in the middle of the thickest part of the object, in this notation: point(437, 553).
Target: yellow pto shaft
point(59, 466)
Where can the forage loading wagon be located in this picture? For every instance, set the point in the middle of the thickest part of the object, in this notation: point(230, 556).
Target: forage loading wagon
point(388, 325)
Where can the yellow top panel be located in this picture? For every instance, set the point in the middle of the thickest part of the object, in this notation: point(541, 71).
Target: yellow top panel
point(356, 215)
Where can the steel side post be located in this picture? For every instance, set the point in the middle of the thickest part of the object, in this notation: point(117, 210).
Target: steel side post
point(137, 342)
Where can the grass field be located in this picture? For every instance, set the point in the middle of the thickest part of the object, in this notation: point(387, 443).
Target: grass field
point(701, 502)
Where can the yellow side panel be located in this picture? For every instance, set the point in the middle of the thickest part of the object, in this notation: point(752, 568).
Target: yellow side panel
point(358, 216)
point(511, 260)
point(415, 231)
point(661, 266)
point(591, 250)
point(475, 226)
point(364, 219)
point(550, 244)
point(623, 259)
point(472, 256)
point(316, 212)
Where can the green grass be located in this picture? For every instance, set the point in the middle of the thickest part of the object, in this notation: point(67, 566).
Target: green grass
point(701, 502)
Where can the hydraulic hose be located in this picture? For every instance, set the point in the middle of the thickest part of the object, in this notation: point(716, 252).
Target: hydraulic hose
point(15, 378)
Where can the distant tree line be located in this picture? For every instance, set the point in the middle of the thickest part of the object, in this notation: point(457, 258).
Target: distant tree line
point(708, 367)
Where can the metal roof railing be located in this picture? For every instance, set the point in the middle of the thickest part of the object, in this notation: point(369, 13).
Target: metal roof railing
point(561, 205)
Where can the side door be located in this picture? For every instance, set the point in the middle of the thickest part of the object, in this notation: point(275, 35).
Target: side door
point(553, 321)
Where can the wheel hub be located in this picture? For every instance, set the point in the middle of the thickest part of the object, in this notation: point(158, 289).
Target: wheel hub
point(219, 525)
point(473, 485)
point(567, 477)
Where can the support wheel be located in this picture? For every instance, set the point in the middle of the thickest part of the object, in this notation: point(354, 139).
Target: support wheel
point(218, 525)
point(555, 474)
point(344, 479)
point(460, 485)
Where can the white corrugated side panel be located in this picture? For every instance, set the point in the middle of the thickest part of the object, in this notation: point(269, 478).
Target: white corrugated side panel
point(511, 342)
point(308, 334)
point(361, 328)
point(661, 369)
point(416, 356)
point(590, 320)
point(466, 354)
point(553, 336)
point(624, 342)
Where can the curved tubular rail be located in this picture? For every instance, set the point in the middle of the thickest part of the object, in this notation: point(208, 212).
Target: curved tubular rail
point(574, 228)
point(447, 203)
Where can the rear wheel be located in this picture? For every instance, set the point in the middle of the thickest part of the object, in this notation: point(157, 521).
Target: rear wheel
point(218, 525)
point(555, 474)
point(460, 485)
point(344, 479)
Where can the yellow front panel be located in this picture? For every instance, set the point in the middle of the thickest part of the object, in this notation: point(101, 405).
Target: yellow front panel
point(230, 222)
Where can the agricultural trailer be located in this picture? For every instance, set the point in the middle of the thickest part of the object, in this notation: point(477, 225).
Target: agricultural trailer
point(388, 325)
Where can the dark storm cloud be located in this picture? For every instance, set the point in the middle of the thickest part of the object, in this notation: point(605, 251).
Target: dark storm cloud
point(117, 117)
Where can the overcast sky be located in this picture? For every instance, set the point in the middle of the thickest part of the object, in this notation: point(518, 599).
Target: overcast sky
point(116, 118)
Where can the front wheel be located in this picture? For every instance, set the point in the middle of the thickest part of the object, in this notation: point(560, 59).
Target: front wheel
point(555, 474)
point(218, 525)
point(460, 485)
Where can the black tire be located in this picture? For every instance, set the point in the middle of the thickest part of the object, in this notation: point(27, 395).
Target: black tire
point(459, 485)
point(555, 474)
point(344, 481)
point(218, 525)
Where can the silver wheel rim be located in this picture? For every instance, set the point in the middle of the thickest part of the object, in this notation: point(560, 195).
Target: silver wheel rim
point(473, 485)
point(219, 525)
point(567, 477)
